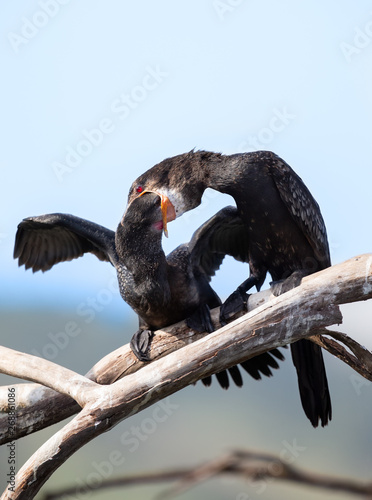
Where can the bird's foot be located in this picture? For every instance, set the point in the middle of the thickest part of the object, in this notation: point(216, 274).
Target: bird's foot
point(282, 286)
point(236, 302)
point(140, 344)
point(200, 320)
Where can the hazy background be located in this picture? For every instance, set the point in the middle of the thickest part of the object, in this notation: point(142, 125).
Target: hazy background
point(159, 79)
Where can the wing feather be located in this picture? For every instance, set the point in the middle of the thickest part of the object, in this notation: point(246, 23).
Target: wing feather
point(43, 241)
point(221, 235)
point(302, 206)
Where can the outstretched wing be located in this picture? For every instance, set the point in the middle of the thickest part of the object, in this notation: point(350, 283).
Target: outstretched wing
point(302, 207)
point(49, 239)
point(223, 234)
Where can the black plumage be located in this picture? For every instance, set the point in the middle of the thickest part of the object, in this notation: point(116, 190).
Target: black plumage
point(283, 226)
point(161, 290)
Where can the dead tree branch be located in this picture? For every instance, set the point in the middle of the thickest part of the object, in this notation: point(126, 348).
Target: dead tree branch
point(45, 372)
point(361, 362)
point(38, 406)
point(299, 313)
point(248, 465)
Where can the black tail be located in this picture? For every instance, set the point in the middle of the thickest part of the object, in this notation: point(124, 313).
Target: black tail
point(256, 367)
point(312, 381)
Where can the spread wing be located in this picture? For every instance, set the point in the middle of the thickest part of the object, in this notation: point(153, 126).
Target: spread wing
point(49, 239)
point(302, 207)
point(226, 234)
point(223, 234)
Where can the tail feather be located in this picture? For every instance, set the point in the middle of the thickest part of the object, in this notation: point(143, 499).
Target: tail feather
point(312, 381)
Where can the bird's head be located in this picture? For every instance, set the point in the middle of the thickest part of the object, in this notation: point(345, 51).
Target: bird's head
point(177, 182)
point(148, 211)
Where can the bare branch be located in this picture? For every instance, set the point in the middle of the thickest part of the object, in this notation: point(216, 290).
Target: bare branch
point(360, 352)
point(361, 362)
point(38, 407)
point(28, 367)
point(296, 314)
point(239, 463)
point(257, 465)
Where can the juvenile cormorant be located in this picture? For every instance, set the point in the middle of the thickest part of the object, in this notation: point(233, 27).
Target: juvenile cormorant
point(284, 227)
point(161, 290)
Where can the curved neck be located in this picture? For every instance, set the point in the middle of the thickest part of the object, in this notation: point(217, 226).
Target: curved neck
point(140, 251)
point(224, 172)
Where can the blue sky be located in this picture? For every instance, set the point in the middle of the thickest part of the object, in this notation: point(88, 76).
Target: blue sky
point(94, 93)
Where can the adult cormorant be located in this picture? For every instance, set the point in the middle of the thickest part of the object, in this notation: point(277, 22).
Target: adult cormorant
point(283, 225)
point(161, 290)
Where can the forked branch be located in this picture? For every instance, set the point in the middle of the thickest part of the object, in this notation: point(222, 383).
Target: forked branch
point(299, 313)
point(258, 468)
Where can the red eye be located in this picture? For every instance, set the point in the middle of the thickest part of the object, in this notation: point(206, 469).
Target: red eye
point(139, 189)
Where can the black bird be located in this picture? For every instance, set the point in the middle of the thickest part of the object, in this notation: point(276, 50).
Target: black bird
point(161, 290)
point(283, 225)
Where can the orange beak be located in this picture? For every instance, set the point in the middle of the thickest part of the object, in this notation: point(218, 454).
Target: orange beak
point(168, 212)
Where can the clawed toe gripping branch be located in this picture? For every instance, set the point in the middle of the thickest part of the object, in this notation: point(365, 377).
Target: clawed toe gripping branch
point(120, 385)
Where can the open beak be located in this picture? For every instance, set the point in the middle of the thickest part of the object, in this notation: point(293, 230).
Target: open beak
point(168, 212)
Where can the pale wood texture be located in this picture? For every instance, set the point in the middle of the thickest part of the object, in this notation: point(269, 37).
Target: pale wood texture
point(299, 313)
point(39, 407)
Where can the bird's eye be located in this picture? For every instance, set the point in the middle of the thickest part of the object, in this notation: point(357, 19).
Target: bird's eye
point(139, 189)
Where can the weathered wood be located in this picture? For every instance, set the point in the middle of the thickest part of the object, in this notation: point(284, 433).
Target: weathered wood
point(29, 367)
point(39, 407)
point(244, 464)
point(360, 361)
point(296, 314)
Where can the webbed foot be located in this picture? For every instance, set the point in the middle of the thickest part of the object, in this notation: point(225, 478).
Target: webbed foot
point(140, 344)
point(236, 302)
point(200, 320)
point(282, 286)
